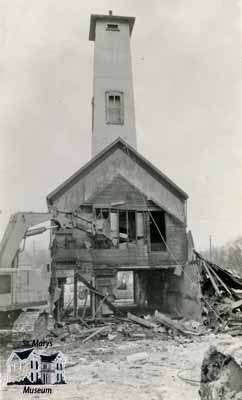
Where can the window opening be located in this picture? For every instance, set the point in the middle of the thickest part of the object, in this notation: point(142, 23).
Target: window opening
point(114, 108)
point(112, 27)
point(131, 226)
point(156, 241)
point(123, 231)
point(125, 287)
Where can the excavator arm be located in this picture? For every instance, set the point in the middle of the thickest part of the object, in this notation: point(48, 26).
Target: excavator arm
point(18, 229)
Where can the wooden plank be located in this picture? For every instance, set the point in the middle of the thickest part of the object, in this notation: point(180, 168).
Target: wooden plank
point(143, 322)
point(236, 304)
point(99, 330)
point(215, 286)
point(131, 255)
point(169, 323)
point(85, 305)
point(96, 292)
point(100, 306)
point(220, 280)
point(75, 295)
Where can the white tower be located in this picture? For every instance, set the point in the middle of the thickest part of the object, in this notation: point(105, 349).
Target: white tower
point(113, 113)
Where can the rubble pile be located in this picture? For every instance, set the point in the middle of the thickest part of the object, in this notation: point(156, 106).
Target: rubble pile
point(221, 298)
point(158, 326)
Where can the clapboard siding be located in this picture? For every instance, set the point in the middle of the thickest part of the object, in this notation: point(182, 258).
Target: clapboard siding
point(119, 163)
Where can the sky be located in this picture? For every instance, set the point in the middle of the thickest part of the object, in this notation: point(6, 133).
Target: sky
point(186, 57)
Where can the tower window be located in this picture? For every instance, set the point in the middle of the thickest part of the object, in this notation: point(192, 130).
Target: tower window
point(112, 27)
point(114, 108)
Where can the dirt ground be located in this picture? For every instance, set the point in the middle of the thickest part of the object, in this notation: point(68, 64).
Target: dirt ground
point(140, 369)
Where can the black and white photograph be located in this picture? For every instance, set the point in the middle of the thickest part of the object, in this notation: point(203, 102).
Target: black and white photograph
point(121, 199)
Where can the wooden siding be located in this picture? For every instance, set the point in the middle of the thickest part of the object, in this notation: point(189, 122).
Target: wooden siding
point(69, 249)
point(120, 190)
point(120, 163)
point(176, 238)
point(113, 257)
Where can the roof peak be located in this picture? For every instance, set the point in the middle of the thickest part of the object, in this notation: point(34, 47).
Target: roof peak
point(119, 142)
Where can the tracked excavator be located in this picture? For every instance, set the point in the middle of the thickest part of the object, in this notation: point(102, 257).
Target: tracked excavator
point(24, 290)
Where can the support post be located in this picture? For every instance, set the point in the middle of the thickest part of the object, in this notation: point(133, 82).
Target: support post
point(52, 288)
point(75, 294)
point(93, 299)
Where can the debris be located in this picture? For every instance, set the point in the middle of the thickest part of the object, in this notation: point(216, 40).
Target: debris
point(137, 357)
point(236, 304)
point(221, 291)
point(57, 332)
point(173, 325)
point(141, 321)
point(97, 331)
point(139, 335)
point(74, 328)
point(85, 305)
point(211, 278)
point(111, 336)
point(83, 322)
point(97, 293)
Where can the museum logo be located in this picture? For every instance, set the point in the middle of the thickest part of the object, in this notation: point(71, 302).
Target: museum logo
point(31, 367)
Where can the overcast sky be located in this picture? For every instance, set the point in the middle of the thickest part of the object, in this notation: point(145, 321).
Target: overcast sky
point(187, 84)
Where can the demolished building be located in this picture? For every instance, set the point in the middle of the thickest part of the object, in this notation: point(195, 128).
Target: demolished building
point(132, 234)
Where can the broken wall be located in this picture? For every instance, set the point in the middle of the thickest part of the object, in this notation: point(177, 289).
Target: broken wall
point(174, 291)
point(181, 291)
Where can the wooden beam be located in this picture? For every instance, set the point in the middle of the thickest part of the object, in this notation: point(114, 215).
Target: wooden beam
point(215, 286)
point(174, 325)
point(75, 299)
point(85, 304)
point(220, 280)
point(99, 330)
point(97, 293)
point(143, 322)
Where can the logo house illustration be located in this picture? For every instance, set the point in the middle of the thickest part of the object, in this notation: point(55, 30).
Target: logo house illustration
point(31, 366)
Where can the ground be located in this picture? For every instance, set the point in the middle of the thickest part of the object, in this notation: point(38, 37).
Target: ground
point(106, 369)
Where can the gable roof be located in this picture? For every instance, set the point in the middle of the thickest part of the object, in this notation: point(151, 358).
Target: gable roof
point(23, 355)
point(95, 161)
point(48, 358)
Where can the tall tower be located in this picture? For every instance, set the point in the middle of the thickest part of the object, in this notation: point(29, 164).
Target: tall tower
point(113, 113)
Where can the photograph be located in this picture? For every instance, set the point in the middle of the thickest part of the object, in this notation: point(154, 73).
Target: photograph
point(121, 199)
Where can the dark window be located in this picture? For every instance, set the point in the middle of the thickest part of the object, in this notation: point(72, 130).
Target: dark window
point(32, 364)
point(87, 209)
point(32, 377)
point(5, 284)
point(127, 226)
point(114, 108)
point(123, 231)
point(57, 377)
point(57, 366)
point(112, 27)
point(157, 231)
point(36, 364)
point(61, 366)
point(131, 226)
